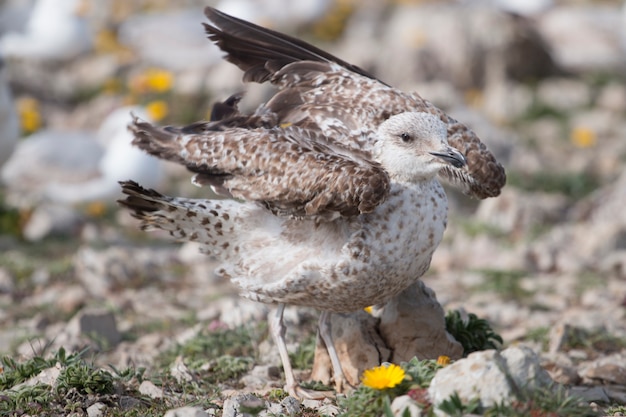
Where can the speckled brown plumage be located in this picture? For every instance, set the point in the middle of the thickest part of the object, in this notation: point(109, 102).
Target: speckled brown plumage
point(320, 92)
point(288, 249)
point(284, 169)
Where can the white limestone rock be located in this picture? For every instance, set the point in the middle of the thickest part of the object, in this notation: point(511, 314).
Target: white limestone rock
point(491, 376)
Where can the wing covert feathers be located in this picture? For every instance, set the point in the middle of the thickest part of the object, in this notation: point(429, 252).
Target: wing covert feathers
point(280, 168)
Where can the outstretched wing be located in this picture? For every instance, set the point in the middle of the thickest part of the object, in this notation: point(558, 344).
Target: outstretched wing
point(318, 91)
point(289, 172)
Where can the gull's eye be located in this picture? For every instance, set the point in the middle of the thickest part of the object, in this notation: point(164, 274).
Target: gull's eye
point(405, 137)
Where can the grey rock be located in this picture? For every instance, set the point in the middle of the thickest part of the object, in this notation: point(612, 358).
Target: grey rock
point(186, 412)
point(128, 403)
point(506, 101)
point(589, 394)
point(617, 394)
point(328, 409)
point(571, 247)
point(584, 37)
point(71, 299)
point(95, 323)
point(614, 264)
point(149, 389)
point(183, 47)
point(180, 372)
point(261, 376)
point(612, 97)
point(413, 324)
point(517, 212)
point(52, 219)
point(468, 46)
point(47, 376)
point(609, 369)
point(291, 406)
point(117, 267)
point(611, 373)
point(233, 405)
point(7, 284)
point(237, 312)
point(97, 410)
point(287, 407)
point(564, 94)
point(562, 374)
point(523, 365)
point(558, 337)
point(492, 377)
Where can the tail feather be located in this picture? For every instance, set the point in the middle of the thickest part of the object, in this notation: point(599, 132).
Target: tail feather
point(197, 220)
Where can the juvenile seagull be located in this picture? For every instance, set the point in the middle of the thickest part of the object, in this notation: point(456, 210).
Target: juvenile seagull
point(321, 226)
point(342, 208)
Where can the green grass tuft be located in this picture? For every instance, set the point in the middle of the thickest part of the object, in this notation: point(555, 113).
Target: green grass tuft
point(474, 334)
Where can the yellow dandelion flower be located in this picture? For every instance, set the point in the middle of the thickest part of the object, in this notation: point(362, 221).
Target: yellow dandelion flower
point(369, 309)
point(30, 117)
point(159, 80)
point(443, 360)
point(157, 109)
point(583, 137)
point(382, 377)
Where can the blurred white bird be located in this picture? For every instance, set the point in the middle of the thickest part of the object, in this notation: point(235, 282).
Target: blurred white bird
point(56, 30)
point(9, 122)
point(276, 13)
point(78, 167)
point(182, 46)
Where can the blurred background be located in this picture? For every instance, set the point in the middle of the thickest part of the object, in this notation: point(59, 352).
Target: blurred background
point(542, 82)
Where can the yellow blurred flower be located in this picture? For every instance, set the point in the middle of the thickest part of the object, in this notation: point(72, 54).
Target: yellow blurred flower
point(152, 80)
point(159, 80)
point(157, 109)
point(383, 376)
point(368, 309)
point(443, 360)
point(30, 117)
point(583, 137)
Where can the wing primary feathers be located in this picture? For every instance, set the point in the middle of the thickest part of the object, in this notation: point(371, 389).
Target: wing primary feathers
point(250, 47)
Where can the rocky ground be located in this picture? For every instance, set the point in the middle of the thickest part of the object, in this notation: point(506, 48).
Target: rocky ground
point(126, 323)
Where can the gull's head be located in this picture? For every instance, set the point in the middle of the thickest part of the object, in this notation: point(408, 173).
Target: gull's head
point(413, 146)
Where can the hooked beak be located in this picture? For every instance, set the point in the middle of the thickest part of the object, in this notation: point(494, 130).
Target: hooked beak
point(451, 156)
